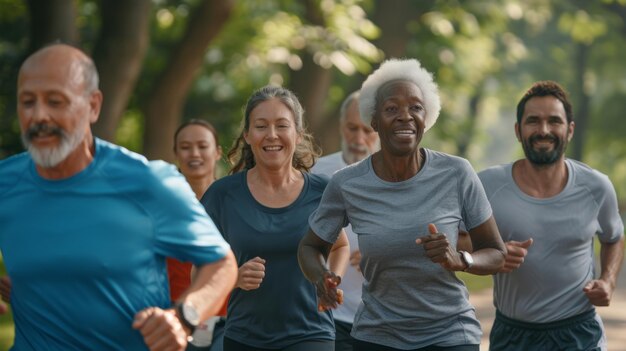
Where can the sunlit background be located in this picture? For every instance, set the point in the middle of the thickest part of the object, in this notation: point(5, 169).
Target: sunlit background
point(164, 61)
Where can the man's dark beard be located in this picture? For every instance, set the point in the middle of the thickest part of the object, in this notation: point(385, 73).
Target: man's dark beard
point(543, 158)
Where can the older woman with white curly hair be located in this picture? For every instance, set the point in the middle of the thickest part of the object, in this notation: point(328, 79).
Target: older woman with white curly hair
point(406, 203)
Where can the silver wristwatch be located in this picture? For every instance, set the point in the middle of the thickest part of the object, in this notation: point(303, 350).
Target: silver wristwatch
point(188, 315)
point(467, 258)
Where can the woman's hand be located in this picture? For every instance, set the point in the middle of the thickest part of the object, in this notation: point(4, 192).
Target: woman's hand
point(251, 274)
point(328, 296)
point(439, 250)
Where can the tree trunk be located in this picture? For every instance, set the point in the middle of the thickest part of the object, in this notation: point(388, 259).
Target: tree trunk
point(311, 85)
point(163, 108)
point(581, 111)
point(119, 55)
point(466, 136)
point(52, 20)
point(393, 17)
point(311, 82)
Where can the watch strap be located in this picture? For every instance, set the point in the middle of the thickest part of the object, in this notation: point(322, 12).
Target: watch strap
point(181, 316)
point(469, 261)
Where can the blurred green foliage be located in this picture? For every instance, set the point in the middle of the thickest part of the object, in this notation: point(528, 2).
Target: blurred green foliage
point(484, 55)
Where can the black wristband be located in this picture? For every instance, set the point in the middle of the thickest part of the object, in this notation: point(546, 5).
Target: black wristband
point(188, 316)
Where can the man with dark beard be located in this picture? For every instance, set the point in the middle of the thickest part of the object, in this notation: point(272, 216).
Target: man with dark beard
point(85, 226)
point(548, 209)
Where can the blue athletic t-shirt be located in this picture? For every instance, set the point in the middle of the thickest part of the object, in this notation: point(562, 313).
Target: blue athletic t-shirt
point(283, 310)
point(86, 253)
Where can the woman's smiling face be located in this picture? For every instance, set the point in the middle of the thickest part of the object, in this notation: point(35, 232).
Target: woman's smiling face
point(400, 117)
point(197, 152)
point(272, 134)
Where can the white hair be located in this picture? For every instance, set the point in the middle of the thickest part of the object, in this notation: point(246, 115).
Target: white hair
point(400, 69)
point(346, 104)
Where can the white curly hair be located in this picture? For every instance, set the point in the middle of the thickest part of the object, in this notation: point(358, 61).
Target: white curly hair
point(400, 69)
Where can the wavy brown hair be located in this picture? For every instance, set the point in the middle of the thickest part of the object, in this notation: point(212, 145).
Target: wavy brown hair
point(241, 156)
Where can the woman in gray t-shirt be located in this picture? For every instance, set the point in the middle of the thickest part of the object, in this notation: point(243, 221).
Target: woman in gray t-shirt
point(405, 203)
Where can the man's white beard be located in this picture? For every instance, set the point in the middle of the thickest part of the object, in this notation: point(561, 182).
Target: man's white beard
point(51, 156)
point(351, 158)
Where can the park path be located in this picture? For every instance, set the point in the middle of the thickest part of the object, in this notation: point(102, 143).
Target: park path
point(613, 316)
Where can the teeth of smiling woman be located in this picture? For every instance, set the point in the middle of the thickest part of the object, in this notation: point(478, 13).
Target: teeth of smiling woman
point(194, 163)
point(404, 132)
point(272, 148)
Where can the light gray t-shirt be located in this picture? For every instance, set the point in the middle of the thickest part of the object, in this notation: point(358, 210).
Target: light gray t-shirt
point(548, 286)
point(352, 280)
point(408, 301)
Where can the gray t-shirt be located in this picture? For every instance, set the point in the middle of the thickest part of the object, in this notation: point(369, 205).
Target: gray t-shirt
point(352, 280)
point(408, 301)
point(548, 286)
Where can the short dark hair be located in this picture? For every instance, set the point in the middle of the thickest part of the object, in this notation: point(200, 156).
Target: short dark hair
point(545, 88)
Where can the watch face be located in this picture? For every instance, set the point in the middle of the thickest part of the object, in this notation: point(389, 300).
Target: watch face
point(190, 314)
point(467, 257)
